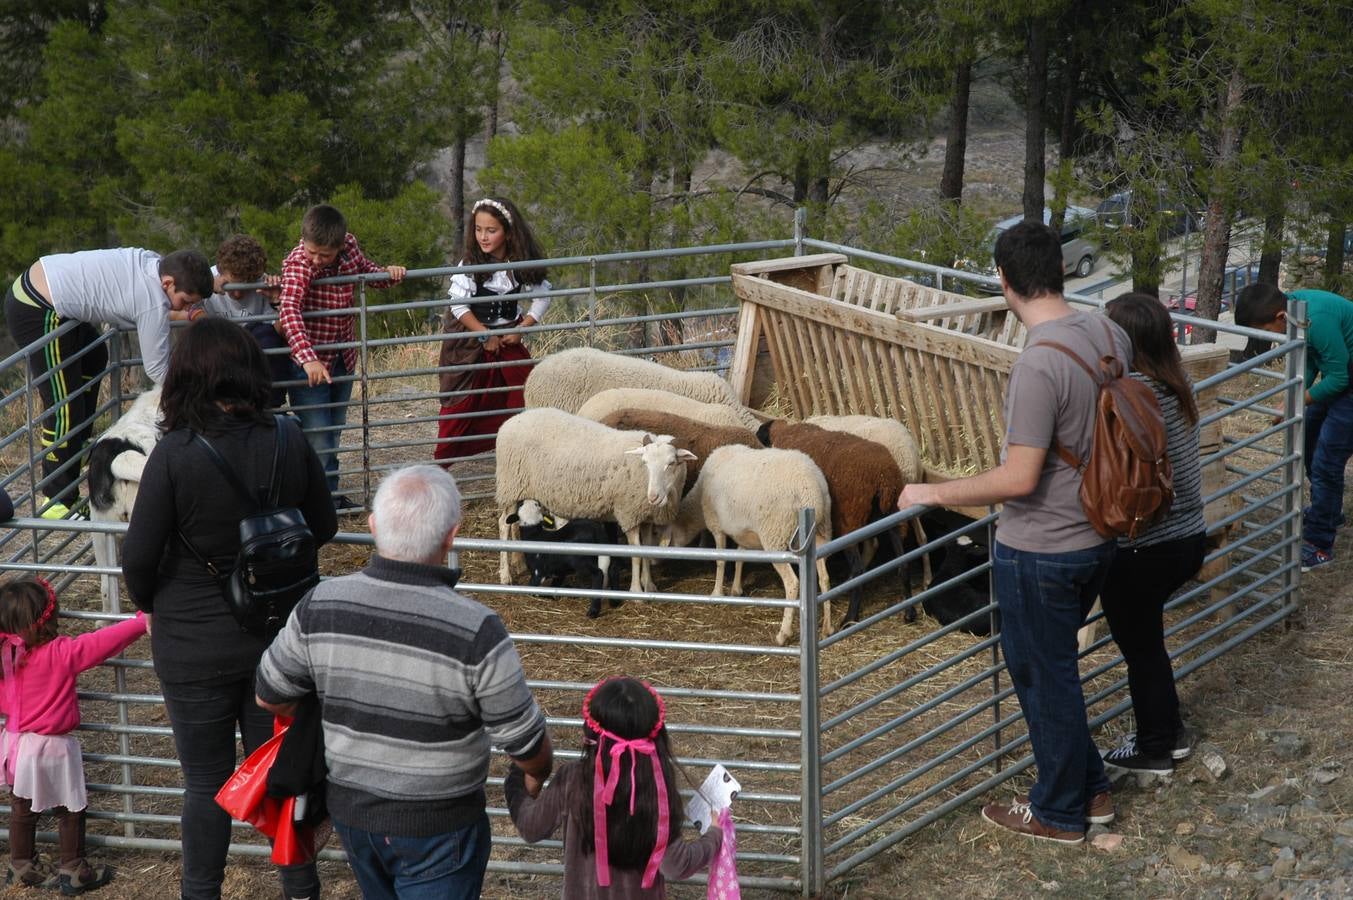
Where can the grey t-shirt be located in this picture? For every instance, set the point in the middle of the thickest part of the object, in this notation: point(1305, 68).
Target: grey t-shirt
point(1050, 395)
point(252, 303)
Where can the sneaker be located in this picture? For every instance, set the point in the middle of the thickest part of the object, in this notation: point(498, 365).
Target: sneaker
point(1183, 743)
point(84, 877)
point(1125, 758)
point(58, 510)
point(1100, 810)
point(31, 873)
point(1312, 557)
point(344, 506)
point(1019, 818)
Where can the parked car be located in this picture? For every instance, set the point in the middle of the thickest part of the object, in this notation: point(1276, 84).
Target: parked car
point(1233, 281)
point(1079, 252)
point(1175, 218)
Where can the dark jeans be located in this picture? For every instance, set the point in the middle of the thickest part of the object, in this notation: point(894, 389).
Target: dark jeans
point(23, 826)
point(1329, 444)
point(1140, 581)
point(204, 718)
point(1044, 598)
point(428, 868)
point(323, 411)
point(75, 362)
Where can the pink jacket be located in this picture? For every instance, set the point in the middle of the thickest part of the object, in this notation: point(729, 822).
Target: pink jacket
point(46, 677)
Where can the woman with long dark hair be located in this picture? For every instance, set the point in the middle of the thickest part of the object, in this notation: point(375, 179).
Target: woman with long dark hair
point(480, 303)
point(1147, 571)
point(217, 386)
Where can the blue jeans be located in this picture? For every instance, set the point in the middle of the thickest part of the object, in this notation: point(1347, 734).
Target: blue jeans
point(1044, 598)
point(425, 868)
point(323, 411)
point(1329, 444)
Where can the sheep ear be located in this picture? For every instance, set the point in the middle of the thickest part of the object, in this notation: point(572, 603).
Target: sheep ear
point(512, 519)
point(648, 439)
point(687, 455)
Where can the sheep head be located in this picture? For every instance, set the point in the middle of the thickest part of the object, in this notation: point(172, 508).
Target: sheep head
point(666, 467)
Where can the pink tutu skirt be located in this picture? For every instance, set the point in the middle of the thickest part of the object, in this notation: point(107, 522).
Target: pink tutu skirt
point(48, 769)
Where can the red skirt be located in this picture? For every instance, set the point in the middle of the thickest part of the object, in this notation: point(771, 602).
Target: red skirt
point(483, 401)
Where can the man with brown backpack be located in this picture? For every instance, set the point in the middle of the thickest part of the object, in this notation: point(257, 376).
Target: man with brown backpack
point(1050, 559)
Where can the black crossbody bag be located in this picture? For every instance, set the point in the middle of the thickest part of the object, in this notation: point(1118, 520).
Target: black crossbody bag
point(278, 560)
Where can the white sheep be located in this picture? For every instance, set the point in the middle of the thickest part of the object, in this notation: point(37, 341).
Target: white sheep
point(613, 400)
point(754, 496)
point(580, 469)
point(565, 380)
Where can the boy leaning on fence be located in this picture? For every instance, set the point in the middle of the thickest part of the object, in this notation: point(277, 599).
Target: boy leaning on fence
point(127, 287)
point(1329, 403)
point(1049, 561)
point(326, 250)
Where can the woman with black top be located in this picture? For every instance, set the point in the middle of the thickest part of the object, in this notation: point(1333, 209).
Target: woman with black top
point(217, 385)
point(483, 302)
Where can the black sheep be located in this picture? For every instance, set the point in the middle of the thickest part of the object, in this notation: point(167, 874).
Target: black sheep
point(538, 524)
point(952, 559)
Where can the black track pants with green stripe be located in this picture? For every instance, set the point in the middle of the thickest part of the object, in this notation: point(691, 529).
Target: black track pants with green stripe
point(69, 397)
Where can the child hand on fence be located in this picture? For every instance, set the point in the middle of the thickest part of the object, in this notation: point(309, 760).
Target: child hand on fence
point(43, 765)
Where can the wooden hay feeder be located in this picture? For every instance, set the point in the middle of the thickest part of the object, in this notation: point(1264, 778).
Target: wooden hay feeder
point(841, 340)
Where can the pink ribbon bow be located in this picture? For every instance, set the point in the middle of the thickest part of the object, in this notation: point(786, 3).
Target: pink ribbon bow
point(602, 797)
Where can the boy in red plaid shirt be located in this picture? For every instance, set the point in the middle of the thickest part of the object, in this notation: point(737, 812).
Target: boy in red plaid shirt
point(326, 250)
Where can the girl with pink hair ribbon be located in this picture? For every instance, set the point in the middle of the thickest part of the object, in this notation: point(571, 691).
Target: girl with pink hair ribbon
point(619, 804)
point(42, 761)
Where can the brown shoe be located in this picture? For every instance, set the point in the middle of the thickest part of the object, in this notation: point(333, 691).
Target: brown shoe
point(1019, 818)
point(1101, 810)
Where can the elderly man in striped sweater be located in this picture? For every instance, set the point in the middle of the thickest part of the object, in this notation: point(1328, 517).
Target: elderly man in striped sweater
point(415, 682)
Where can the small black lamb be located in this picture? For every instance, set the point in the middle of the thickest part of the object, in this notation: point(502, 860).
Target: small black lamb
point(538, 524)
point(952, 559)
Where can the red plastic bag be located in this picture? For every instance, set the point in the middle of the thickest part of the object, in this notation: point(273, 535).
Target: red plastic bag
point(245, 796)
point(723, 871)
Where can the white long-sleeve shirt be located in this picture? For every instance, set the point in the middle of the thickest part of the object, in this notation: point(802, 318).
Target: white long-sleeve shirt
point(502, 282)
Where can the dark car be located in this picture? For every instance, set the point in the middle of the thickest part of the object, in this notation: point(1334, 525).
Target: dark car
point(1175, 218)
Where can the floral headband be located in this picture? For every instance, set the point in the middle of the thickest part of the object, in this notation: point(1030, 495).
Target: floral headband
point(46, 610)
point(489, 201)
point(603, 788)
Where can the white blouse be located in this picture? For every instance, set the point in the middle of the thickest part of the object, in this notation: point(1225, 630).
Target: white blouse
point(502, 282)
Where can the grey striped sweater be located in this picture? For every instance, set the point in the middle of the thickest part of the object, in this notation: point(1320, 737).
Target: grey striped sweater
point(415, 681)
point(1185, 517)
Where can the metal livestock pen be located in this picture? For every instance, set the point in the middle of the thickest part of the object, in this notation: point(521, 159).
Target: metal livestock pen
point(845, 744)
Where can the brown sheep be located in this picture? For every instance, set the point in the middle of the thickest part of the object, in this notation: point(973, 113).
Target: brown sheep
point(864, 481)
point(687, 434)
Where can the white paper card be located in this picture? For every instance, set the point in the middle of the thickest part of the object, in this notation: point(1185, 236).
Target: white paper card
point(718, 792)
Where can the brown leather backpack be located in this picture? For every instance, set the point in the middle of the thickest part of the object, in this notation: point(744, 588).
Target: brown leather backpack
point(1126, 481)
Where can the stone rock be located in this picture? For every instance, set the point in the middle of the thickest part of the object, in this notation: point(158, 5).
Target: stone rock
point(1266, 814)
point(1183, 859)
point(1095, 831)
point(1313, 866)
point(1286, 863)
point(1185, 829)
point(1328, 773)
point(1107, 842)
point(1214, 766)
point(1051, 886)
point(1210, 831)
point(1344, 828)
point(1230, 810)
point(1234, 869)
point(1304, 811)
point(1287, 744)
point(1262, 874)
point(1285, 793)
point(1280, 837)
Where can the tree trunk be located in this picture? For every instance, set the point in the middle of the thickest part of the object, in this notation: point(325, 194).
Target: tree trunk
point(457, 200)
point(1217, 230)
point(956, 140)
point(1066, 144)
point(1271, 256)
point(1334, 256)
point(1036, 49)
point(491, 118)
